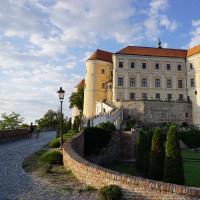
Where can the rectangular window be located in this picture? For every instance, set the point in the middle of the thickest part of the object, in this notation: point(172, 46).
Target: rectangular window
point(180, 84)
point(144, 82)
point(157, 96)
point(120, 81)
point(169, 97)
point(195, 92)
point(179, 67)
point(169, 83)
point(132, 82)
point(121, 64)
point(132, 96)
point(157, 83)
point(157, 66)
point(180, 97)
point(186, 115)
point(103, 85)
point(191, 66)
point(102, 71)
point(132, 65)
point(144, 96)
point(168, 66)
point(192, 82)
point(144, 65)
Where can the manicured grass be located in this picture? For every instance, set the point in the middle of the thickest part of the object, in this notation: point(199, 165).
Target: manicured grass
point(191, 168)
point(123, 167)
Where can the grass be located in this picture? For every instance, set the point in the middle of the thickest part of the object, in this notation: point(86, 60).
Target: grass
point(188, 155)
point(123, 167)
point(52, 157)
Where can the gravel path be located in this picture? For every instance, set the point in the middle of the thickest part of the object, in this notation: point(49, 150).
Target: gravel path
point(16, 184)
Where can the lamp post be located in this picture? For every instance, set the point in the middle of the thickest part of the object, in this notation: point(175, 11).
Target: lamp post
point(61, 94)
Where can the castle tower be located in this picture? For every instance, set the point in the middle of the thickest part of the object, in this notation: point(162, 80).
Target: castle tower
point(98, 74)
point(193, 83)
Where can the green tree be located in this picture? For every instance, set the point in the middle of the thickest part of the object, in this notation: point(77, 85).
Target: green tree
point(141, 145)
point(156, 162)
point(76, 99)
point(173, 170)
point(107, 126)
point(49, 120)
point(77, 123)
point(11, 121)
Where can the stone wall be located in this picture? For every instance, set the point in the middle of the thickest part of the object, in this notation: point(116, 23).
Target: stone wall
point(151, 111)
point(9, 135)
point(109, 153)
point(133, 187)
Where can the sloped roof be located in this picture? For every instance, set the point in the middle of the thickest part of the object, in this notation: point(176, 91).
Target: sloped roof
point(151, 51)
point(101, 55)
point(194, 50)
point(81, 83)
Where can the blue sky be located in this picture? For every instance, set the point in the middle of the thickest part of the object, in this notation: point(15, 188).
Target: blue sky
point(44, 43)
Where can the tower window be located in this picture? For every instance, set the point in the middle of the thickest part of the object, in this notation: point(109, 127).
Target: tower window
point(102, 71)
point(157, 66)
point(120, 81)
point(144, 65)
point(121, 64)
point(195, 92)
point(168, 66)
point(179, 67)
point(191, 66)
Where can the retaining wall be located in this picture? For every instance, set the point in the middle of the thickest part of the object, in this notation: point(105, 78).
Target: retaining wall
point(133, 187)
point(9, 135)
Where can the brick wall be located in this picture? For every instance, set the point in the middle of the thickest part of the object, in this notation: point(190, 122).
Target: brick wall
point(9, 135)
point(133, 187)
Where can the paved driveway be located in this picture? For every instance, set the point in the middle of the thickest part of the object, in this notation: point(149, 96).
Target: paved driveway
point(16, 184)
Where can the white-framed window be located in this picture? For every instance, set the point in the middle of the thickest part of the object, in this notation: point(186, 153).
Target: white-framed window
point(157, 83)
point(180, 83)
point(144, 82)
point(120, 81)
point(157, 66)
point(132, 96)
point(121, 64)
point(132, 82)
point(169, 83)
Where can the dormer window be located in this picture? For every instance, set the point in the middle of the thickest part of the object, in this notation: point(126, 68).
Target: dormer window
point(144, 65)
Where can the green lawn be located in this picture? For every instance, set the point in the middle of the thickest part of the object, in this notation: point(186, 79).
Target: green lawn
point(192, 168)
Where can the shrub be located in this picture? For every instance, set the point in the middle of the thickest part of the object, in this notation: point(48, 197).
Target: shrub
point(107, 126)
point(54, 143)
point(173, 170)
point(95, 139)
point(191, 138)
point(52, 157)
point(130, 123)
point(111, 192)
point(141, 149)
point(156, 161)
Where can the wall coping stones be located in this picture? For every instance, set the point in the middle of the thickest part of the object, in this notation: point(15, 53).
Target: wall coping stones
point(98, 176)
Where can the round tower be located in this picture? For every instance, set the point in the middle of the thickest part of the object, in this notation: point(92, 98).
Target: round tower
point(98, 73)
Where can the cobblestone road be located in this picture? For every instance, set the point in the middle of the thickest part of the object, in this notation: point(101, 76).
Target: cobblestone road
point(16, 184)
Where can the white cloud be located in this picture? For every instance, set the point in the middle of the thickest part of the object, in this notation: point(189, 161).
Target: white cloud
point(195, 33)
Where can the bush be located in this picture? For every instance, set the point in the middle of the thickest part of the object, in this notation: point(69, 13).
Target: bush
point(95, 139)
point(156, 161)
point(130, 123)
point(107, 126)
point(54, 143)
point(141, 149)
point(111, 192)
point(173, 170)
point(52, 157)
point(191, 138)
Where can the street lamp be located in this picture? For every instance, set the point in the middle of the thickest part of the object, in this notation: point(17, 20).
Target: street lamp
point(61, 94)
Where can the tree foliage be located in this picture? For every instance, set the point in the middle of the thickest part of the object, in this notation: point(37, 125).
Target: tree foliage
point(156, 162)
point(76, 99)
point(11, 121)
point(173, 171)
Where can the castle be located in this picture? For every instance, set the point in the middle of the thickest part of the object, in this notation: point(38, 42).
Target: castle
point(150, 84)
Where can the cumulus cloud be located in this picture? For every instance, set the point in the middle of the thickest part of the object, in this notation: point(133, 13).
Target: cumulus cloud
point(195, 33)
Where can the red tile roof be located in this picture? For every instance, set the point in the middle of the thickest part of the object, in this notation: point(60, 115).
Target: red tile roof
point(81, 83)
point(194, 50)
point(101, 55)
point(150, 51)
